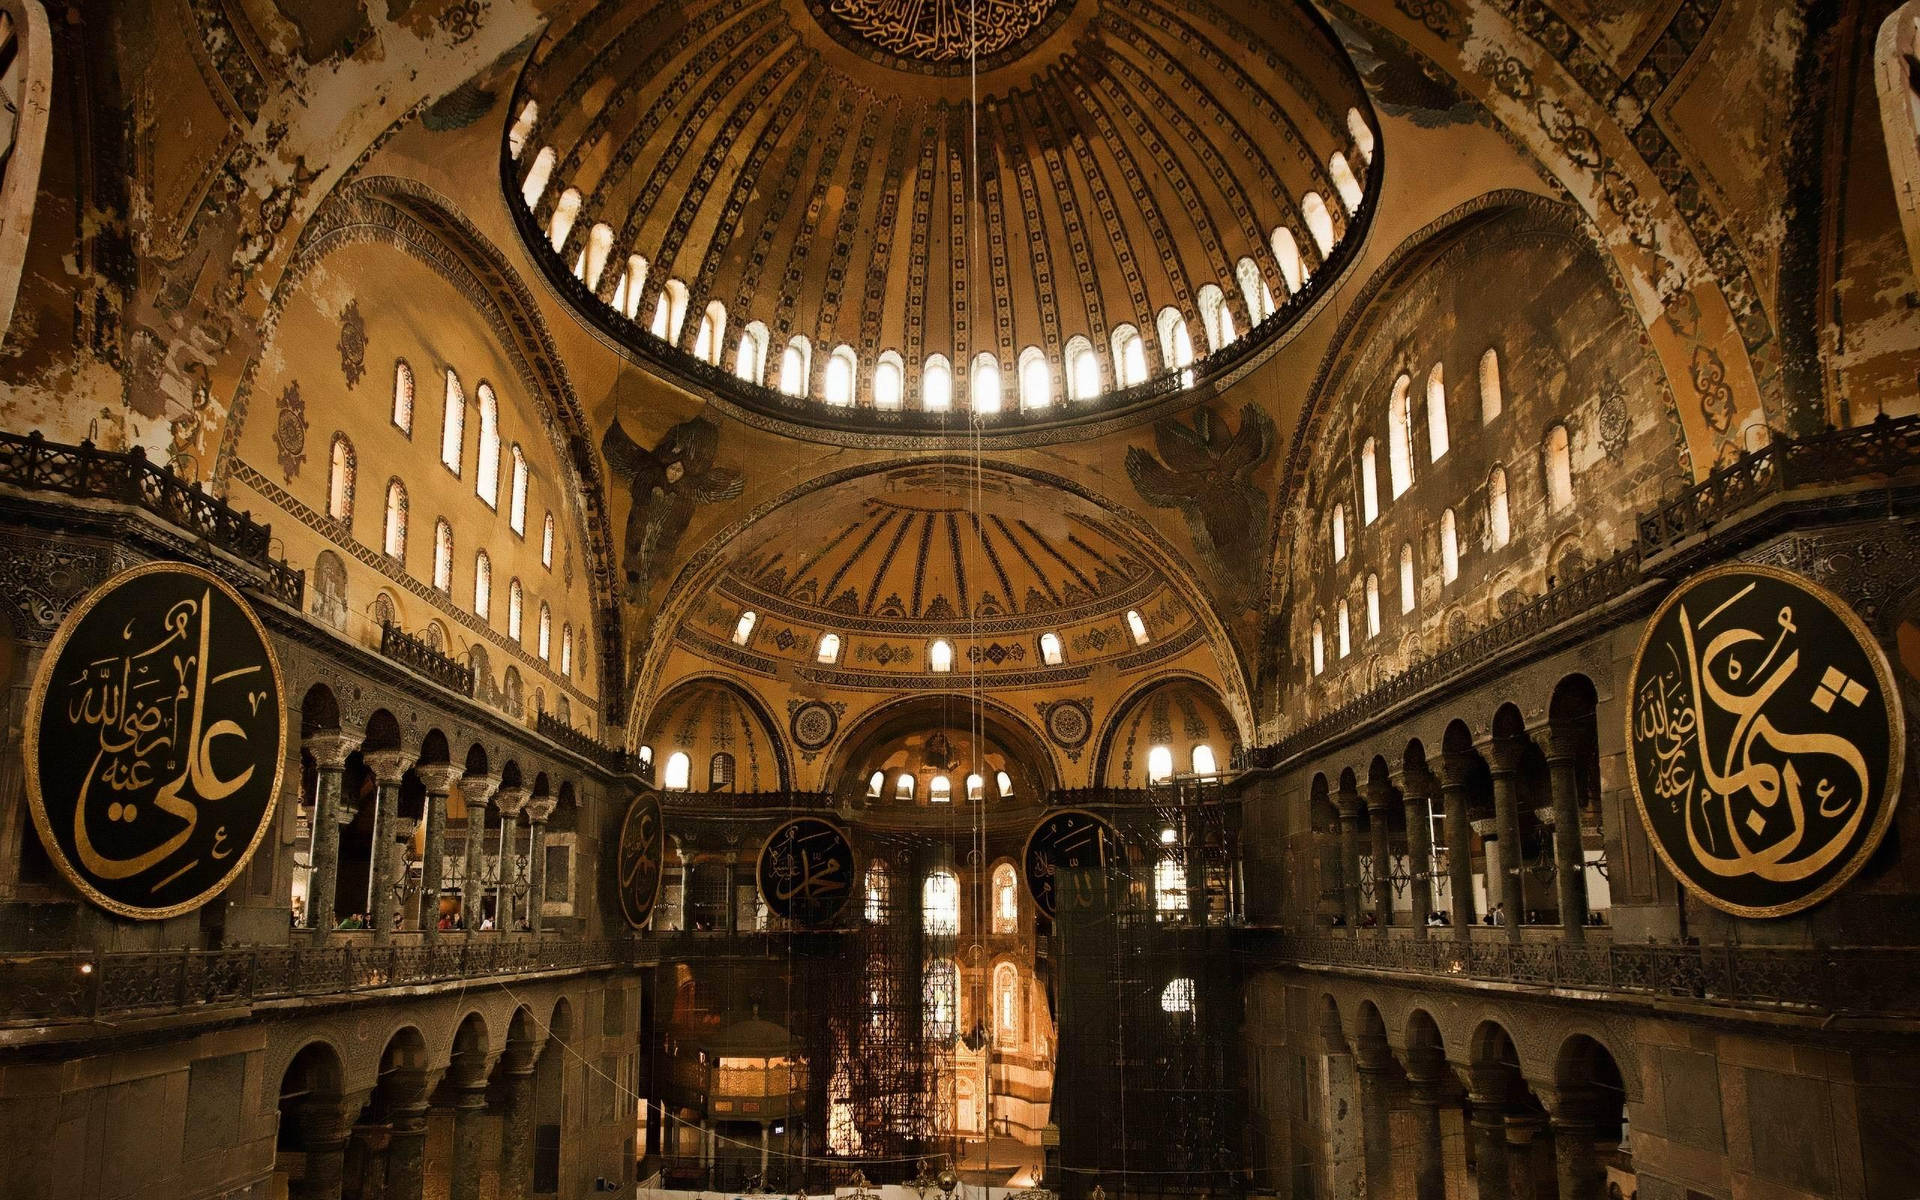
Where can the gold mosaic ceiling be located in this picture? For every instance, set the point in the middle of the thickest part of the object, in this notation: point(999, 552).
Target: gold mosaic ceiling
point(809, 165)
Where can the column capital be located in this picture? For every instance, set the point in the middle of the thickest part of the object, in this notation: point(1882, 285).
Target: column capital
point(1503, 754)
point(1416, 784)
point(477, 790)
point(1379, 796)
point(388, 765)
point(439, 778)
point(1456, 768)
point(539, 808)
point(330, 748)
point(345, 813)
point(1562, 740)
point(511, 800)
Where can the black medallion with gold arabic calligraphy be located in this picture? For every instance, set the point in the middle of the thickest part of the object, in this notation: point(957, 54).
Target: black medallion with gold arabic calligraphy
point(156, 734)
point(642, 856)
point(1765, 739)
point(1069, 840)
point(805, 871)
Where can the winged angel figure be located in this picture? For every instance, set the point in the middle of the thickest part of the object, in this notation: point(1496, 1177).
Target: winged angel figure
point(666, 483)
point(1206, 471)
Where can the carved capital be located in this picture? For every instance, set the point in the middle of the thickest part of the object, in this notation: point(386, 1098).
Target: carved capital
point(439, 778)
point(1379, 796)
point(330, 748)
point(345, 813)
point(539, 808)
point(1503, 755)
point(1487, 827)
point(477, 790)
point(388, 765)
point(1456, 768)
point(1417, 784)
point(403, 828)
point(511, 800)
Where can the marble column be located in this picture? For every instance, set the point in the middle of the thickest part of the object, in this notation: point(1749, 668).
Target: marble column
point(516, 1126)
point(325, 1125)
point(510, 801)
point(1523, 1132)
point(439, 779)
point(1379, 805)
point(1563, 777)
point(1504, 760)
point(1576, 1161)
point(330, 813)
point(387, 767)
point(467, 1081)
point(1429, 1094)
point(538, 810)
point(1490, 1150)
point(1376, 1120)
point(1455, 770)
point(476, 791)
point(1347, 802)
point(1415, 788)
point(407, 1137)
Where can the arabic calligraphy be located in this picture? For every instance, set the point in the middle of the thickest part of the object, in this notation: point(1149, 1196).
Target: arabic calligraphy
point(1066, 857)
point(942, 30)
point(805, 871)
point(641, 858)
point(1765, 738)
point(156, 740)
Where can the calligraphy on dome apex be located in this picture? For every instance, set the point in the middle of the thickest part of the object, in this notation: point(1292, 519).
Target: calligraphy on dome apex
point(942, 31)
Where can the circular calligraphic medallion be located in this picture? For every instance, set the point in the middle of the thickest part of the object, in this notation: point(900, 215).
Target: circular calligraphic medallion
point(1064, 843)
point(805, 871)
point(642, 857)
point(156, 735)
point(1765, 737)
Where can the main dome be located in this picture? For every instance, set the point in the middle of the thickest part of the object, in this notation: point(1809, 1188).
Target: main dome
point(878, 216)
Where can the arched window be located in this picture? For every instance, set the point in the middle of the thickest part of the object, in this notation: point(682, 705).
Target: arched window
point(486, 475)
point(1449, 548)
point(903, 787)
point(1361, 133)
point(1287, 250)
point(516, 608)
point(1369, 484)
point(936, 384)
point(1216, 319)
point(1169, 883)
point(599, 248)
point(1129, 356)
point(1490, 397)
point(1050, 649)
point(535, 184)
point(1176, 344)
point(1400, 438)
point(1342, 629)
point(941, 999)
point(876, 876)
point(1319, 648)
point(984, 387)
point(889, 381)
point(1204, 764)
point(482, 585)
point(1319, 223)
point(393, 538)
point(1437, 439)
point(940, 790)
point(750, 357)
point(1373, 605)
point(976, 788)
point(720, 772)
point(940, 656)
point(874, 784)
point(1083, 369)
point(546, 543)
point(1559, 469)
point(1344, 182)
point(1006, 999)
point(1006, 899)
point(1339, 533)
point(443, 555)
point(1036, 380)
point(566, 650)
point(940, 903)
point(340, 470)
point(841, 366)
point(1176, 999)
point(829, 649)
point(1408, 596)
point(403, 397)
point(517, 492)
point(453, 424)
point(711, 337)
point(743, 628)
point(679, 772)
point(1004, 782)
point(626, 293)
point(543, 645)
point(796, 366)
point(522, 128)
point(564, 213)
point(1137, 626)
point(1159, 764)
point(1254, 290)
point(1499, 521)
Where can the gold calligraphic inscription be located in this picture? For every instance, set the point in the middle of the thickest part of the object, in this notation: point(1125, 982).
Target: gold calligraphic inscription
point(941, 31)
point(805, 871)
point(1765, 739)
point(156, 737)
point(641, 858)
point(1066, 854)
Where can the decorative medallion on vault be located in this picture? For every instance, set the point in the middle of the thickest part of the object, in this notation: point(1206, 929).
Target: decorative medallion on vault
point(813, 725)
point(642, 857)
point(1765, 737)
point(155, 739)
point(1069, 722)
point(805, 871)
point(941, 32)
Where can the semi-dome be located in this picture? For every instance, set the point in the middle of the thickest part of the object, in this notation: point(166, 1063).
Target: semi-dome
point(781, 201)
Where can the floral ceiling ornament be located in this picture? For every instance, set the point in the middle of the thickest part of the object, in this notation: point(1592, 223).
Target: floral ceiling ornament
point(290, 430)
point(353, 343)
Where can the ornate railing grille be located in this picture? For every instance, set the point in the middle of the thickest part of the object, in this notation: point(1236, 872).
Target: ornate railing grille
point(417, 656)
point(617, 762)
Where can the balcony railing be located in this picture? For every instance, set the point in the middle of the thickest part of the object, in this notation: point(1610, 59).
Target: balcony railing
point(616, 762)
point(421, 658)
point(1819, 980)
point(87, 472)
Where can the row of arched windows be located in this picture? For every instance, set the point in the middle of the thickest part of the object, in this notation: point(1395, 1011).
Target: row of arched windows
point(940, 650)
point(1035, 384)
point(1160, 762)
point(677, 776)
point(940, 787)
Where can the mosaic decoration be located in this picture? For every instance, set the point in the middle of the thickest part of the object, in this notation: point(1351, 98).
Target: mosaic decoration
point(805, 871)
point(1206, 471)
point(1765, 738)
point(666, 484)
point(155, 739)
point(813, 725)
point(353, 343)
point(290, 430)
point(642, 857)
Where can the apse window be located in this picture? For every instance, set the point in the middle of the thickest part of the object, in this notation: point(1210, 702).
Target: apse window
point(1346, 645)
point(1083, 370)
point(545, 636)
point(1005, 782)
point(976, 788)
point(1373, 605)
point(840, 371)
point(794, 367)
point(1204, 764)
point(679, 770)
point(443, 555)
point(1137, 626)
point(936, 385)
point(1159, 764)
point(903, 787)
point(517, 493)
point(1339, 533)
point(403, 397)
point(1177, 997)
point(888, 386)
point(875, 784)
point(1559, 469)
point(1369, 484)
point(829, 652)
point(1449, 548)
point(1036, 382)
point(1050, 649)
point(1408, 598)
point(940, 790)
point(1006, 899)
point(940, 656)
point(940, 901)
point(986, 384)
point(546, 543)
point(1319, 648)
point(453, 424)
point(743, 628)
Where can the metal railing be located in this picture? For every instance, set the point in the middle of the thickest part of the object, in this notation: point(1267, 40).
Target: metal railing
point(421, 658)
point(614, 761)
